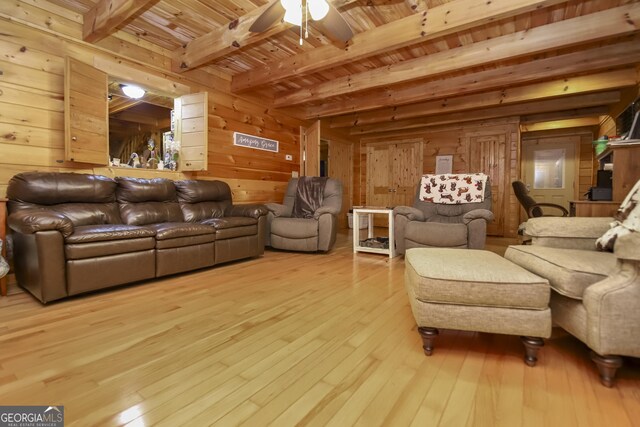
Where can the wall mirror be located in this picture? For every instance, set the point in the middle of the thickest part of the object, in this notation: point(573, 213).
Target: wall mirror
point(140, 129)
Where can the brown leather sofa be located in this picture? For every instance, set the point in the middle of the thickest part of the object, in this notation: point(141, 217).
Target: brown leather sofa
point(76, 233)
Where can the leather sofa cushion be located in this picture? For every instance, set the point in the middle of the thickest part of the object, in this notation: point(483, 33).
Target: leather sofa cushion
point(172, 230)
point(230, 233)
point(195, 191)
point(294, 228)
point(135, 190)
point(108, 232)
point(230, 222)
point(196, 212)
point(53, 188)
point(90, 213)
point(180, 242)
point(234, 226)
point(144, 213)
point(569, 271)
point(106, 248)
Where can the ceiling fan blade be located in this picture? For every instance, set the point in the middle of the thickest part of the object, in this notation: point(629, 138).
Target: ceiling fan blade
point(334, 26)
point(269, 17)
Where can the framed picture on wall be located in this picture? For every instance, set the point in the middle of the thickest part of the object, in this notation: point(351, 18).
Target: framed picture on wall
point(444, 164)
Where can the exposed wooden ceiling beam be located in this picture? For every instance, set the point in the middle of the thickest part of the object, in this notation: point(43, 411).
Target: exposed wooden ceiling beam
point(229, 38)
point(106, 16)
point(569, 103)
point(439, 21)
point(120, 104)
point(143, 119)
point(536, 91)
point(596, 26)
point(539, 70)
point(565, 114)
point(560, 124)
point(417, 6)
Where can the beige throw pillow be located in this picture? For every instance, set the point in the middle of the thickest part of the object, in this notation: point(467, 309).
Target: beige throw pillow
point(627, 220)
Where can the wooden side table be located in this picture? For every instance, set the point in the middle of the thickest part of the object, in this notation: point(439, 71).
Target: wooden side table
point(3, 236)
point(391, 251)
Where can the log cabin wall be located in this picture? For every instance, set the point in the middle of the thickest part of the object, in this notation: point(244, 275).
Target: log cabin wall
point(36, 37)
point(456, 140)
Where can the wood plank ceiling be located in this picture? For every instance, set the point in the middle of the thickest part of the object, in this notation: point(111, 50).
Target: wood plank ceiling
point(411, 63)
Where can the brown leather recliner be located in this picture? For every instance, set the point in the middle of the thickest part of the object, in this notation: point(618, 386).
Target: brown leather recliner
point(75, 233)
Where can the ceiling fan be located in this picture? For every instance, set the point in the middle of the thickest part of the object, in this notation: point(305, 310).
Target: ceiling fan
point(297, 12)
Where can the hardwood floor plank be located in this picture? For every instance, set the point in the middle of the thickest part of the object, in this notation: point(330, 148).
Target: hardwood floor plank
point(289, 339)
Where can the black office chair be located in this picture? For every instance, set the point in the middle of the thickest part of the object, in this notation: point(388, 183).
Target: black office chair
point(531, 207)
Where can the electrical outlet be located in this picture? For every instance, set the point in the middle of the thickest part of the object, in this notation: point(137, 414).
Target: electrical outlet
point(294, 174)
point(288, 157)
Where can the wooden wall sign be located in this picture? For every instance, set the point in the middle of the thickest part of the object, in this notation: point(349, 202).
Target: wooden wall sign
point(255, 142)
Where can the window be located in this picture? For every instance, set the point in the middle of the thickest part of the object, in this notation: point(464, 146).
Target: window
point(88, 113)
point(549, 169)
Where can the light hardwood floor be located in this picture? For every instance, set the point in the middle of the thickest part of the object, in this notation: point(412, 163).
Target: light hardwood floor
point(321, 339)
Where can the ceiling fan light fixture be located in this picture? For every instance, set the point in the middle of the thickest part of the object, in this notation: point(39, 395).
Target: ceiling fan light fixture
point(133, 91)
point(318, 9)
point(291, 4)
point(294, 15)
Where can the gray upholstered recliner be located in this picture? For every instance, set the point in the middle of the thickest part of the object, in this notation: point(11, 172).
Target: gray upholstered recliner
point(315, 232)
point(429, 224)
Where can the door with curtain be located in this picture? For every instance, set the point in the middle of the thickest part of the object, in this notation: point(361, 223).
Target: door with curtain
point(549, 169)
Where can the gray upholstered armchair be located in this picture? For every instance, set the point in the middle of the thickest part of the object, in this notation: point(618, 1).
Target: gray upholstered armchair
point(307, 219)
point(596, 294)
point(429, 224)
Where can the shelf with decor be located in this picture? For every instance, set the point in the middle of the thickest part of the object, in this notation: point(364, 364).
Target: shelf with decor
point(624, 156)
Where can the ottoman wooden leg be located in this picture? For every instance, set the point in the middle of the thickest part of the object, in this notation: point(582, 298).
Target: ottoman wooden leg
point(531, 347)
point(607, 367)
point(428, 337)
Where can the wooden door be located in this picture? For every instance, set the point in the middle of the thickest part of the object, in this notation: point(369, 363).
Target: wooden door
point(340, 167)
point(406, 171)
point(550, 169)
point(86, 113)
point(191, 115)
point(393, 172)
point(310, 150)
point(488, 154)
point(379, 182)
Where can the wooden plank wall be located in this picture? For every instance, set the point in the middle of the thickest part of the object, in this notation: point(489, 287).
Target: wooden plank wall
point(453, 140)
point(36, 36)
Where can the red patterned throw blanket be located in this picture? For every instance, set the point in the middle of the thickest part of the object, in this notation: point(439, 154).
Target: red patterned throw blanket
point(453, 189)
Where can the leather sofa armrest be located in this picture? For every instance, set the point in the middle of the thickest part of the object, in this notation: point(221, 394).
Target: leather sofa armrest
point(252, 211)
point(31, 221)
point(485, 214)
point(278, 210)
point(412, 214)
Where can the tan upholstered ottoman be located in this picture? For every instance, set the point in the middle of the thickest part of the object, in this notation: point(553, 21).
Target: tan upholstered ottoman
point(474, 290)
